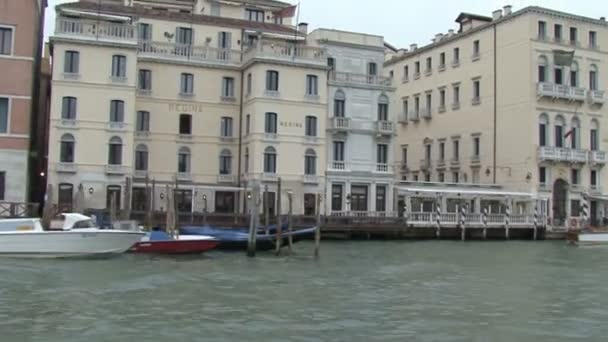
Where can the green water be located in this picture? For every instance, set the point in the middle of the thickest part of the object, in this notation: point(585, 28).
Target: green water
point(357, 291)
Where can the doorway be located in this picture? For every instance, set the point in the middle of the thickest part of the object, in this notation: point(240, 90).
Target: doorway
point(560, 196)
point(359, 198)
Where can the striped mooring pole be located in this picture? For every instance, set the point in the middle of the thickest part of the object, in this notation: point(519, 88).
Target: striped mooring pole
point(507, 220)
point(463, 220)
point(585, 212)
point(484, 218)
point(536, 221)
point(438, 218)
point(405, 215)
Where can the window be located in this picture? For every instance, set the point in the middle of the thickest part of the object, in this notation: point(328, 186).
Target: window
point(141, 158)
point(71, 63)
point(593, 179)
point(224, 42)
point(311, 126)
point(427, 152)
point(382, 154)
point(270, 123)
point(456, 55)
point(270, 160)
point(592, 39)
point(383, 108)
point(186, 84)
point(404, 155)
point(272, 80)
point(310, 163)
point(574, 133)
point(542, 175)
point(406, 72)
point(372, 69)
point(557, 33)
point(336, 197)
point(574, 75)
point(225, 200)
point(142, 122)
point(542, 130)
point(575, 208)
point(542, 30)
point(185, 124)
point(558, 77)
point(228, 87)
point(2, 185)
point(559, 132)
point(183, 36)
point(593, 77)
point(183, 160)
point(144, 81)
point(476, 48)
point(249, 84)
point(380, 198)
point(65, 196)
point(6, 41)
point(115, 151)
point(254, 15)
point(456, 90)
point(225, 162)
point(339, 104)
point(119, 66)
point(406, 108)
point(442, 98)
point(442, 60)
point(542, 69)
point(226, 127)
point(144, 31)
point(574, 176)
point(476, 90)
point(183, 200)
point(139, 199)
point(331, 63)
point(429, 64)
point(429, 103)
point(339, 151)
point(246, 160)
point(4, 113)
point(593, 136)
point(456, 150)
point(455, 177)
point(427, 177)
point(417, 105)
point(66, 149)
point(247, 124)
point(441, 177)
point(442, 151)
point(68, 108)
point(476, 147)
point(117, 111)
point(417, 69)
point(312, 87)
point(573, 36)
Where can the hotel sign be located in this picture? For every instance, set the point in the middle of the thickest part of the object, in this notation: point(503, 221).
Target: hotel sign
point(185, 107)
point(288, 124)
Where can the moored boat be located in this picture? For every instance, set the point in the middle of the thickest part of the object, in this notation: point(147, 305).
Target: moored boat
point(158, 242)
point(588, 238)
point(77, 237)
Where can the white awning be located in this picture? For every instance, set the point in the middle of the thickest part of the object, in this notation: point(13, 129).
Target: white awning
point(96, 15)
point(481, 192)
point(278, 35)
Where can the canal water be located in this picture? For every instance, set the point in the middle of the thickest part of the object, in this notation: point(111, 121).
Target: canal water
point(357, 291)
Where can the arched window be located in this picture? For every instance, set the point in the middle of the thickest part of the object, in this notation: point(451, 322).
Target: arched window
point(383, 108)
point(593, 80)
point(115, 151)
point(574, 133)
point(141, 158)
point(574, 74)
point(542, 69)
point(543, 133)
point(68, 108)
point(594, 135)
point(270, 160)
point(559, 131)
point(310, 162)
point(225, 162)
point(66, 153)
point(183, 160)
point(339, 104)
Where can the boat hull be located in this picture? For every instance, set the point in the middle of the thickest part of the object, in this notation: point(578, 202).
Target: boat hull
point(589, 238)
point(181, 246)
point(237, 239)
point(65, 244)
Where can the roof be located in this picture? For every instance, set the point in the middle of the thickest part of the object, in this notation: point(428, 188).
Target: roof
point(465, 15)
point(274, 3)
point(140, 11)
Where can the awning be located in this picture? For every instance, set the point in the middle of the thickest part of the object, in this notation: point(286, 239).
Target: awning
point(286, 36)
point(599, 197)
point(95, 15)
point(481, 192)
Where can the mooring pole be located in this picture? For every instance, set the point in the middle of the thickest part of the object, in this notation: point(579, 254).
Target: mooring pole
point(438, 218)
point(266, 210)
point(536, 221)
point(254, 204)
point(290, 221)
point(463, 220)
point(507, 219)
point(318, 230)
point(279, 240)
point(485, 223)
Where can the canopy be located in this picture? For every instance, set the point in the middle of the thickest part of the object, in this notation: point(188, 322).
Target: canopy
point(433, 190)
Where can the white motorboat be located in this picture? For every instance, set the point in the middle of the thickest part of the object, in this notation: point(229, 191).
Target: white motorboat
point(76, 237)
point(588, 238)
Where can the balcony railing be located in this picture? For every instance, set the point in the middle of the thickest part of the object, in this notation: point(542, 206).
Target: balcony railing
point(337, 165)
point(561, 91)
point(340, 123)
point(226, 179)
point(184, 176)
point(385, 127)
point(598, 157)
point(285, 51)
point(116, 170)
point(382, 168)
point(558, 154)
point(189, 53)
point(66, 168)
point(94, 30)
point(597, 96)
point(116, 126)
point(360, 79)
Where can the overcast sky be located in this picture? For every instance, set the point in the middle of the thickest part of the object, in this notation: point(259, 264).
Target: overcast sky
point(403, 22)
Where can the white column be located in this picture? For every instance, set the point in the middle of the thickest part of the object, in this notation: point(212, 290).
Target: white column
point(372, 197)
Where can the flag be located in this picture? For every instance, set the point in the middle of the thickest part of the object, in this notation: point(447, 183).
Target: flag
point(287, 12)
point(563, 58)
point(569, 134)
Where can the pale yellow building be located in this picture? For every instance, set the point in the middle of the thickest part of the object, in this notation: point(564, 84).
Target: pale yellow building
point(212, 95)
point(489, 103)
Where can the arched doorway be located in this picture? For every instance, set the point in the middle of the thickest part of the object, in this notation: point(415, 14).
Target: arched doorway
point(560, 197)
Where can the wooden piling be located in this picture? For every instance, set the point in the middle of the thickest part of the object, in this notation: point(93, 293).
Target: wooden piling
point(126, 213)
point(290, 221)
point(266, 210)
point(318, 230)
point(254, 204)
point(279, 240)
point(112, 209)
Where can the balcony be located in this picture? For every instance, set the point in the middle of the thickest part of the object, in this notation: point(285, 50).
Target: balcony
point(385, 128)
point(184, 138)
point(142, 174)
point(455, 63)
point(340, 124)
point(558, 154)
point(455, 162)
point(597, 97)
point(475, 160)
point(476, 101)
point(561, 91)
point(426, 164)
point(226, 179)
point(426, 113)
point(337, 165)
point(183, 177)
point(428, 72)
point(116, 126)
point(95, 30)
point(71, 76)
point(66, 168)
point(310, 179)
point(286, 52)
point(441, 163)
point(68, 123)
point(475, 56)
point(347, 78)
point(116, 170)
point(189, 53)
point(142, 134)
point(598, 157)
point(383, 168)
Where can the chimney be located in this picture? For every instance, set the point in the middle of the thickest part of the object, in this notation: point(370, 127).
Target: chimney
point(303, 28)
point(450, 32)
point(497, 14)
point(603, 18)
point(508, 10)
point(438, 37)
point(413, 47)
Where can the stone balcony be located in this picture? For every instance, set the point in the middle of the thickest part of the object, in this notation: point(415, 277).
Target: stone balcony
point(597, 97)
point(188, 53)
point(66, 168)
point(346, 78)
point(340, 124)
point(285, 52)
point(385, 128)
point(116, 170)
point(558, 154)
point(561, 91)
point(598, 157)
point(95, 30)
point(183, 177)
point(383, 168)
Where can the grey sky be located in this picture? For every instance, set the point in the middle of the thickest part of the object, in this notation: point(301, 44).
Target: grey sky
point(403, 22)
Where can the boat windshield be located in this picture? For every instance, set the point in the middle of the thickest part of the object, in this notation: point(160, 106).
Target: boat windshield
point(84, 224)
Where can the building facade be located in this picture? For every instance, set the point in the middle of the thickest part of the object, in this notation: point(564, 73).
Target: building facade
point(210, 96)
point(494, 103)
point(361, 129)
point(20, 51)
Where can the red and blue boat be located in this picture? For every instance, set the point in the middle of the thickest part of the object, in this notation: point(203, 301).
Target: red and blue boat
point(159, 242)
